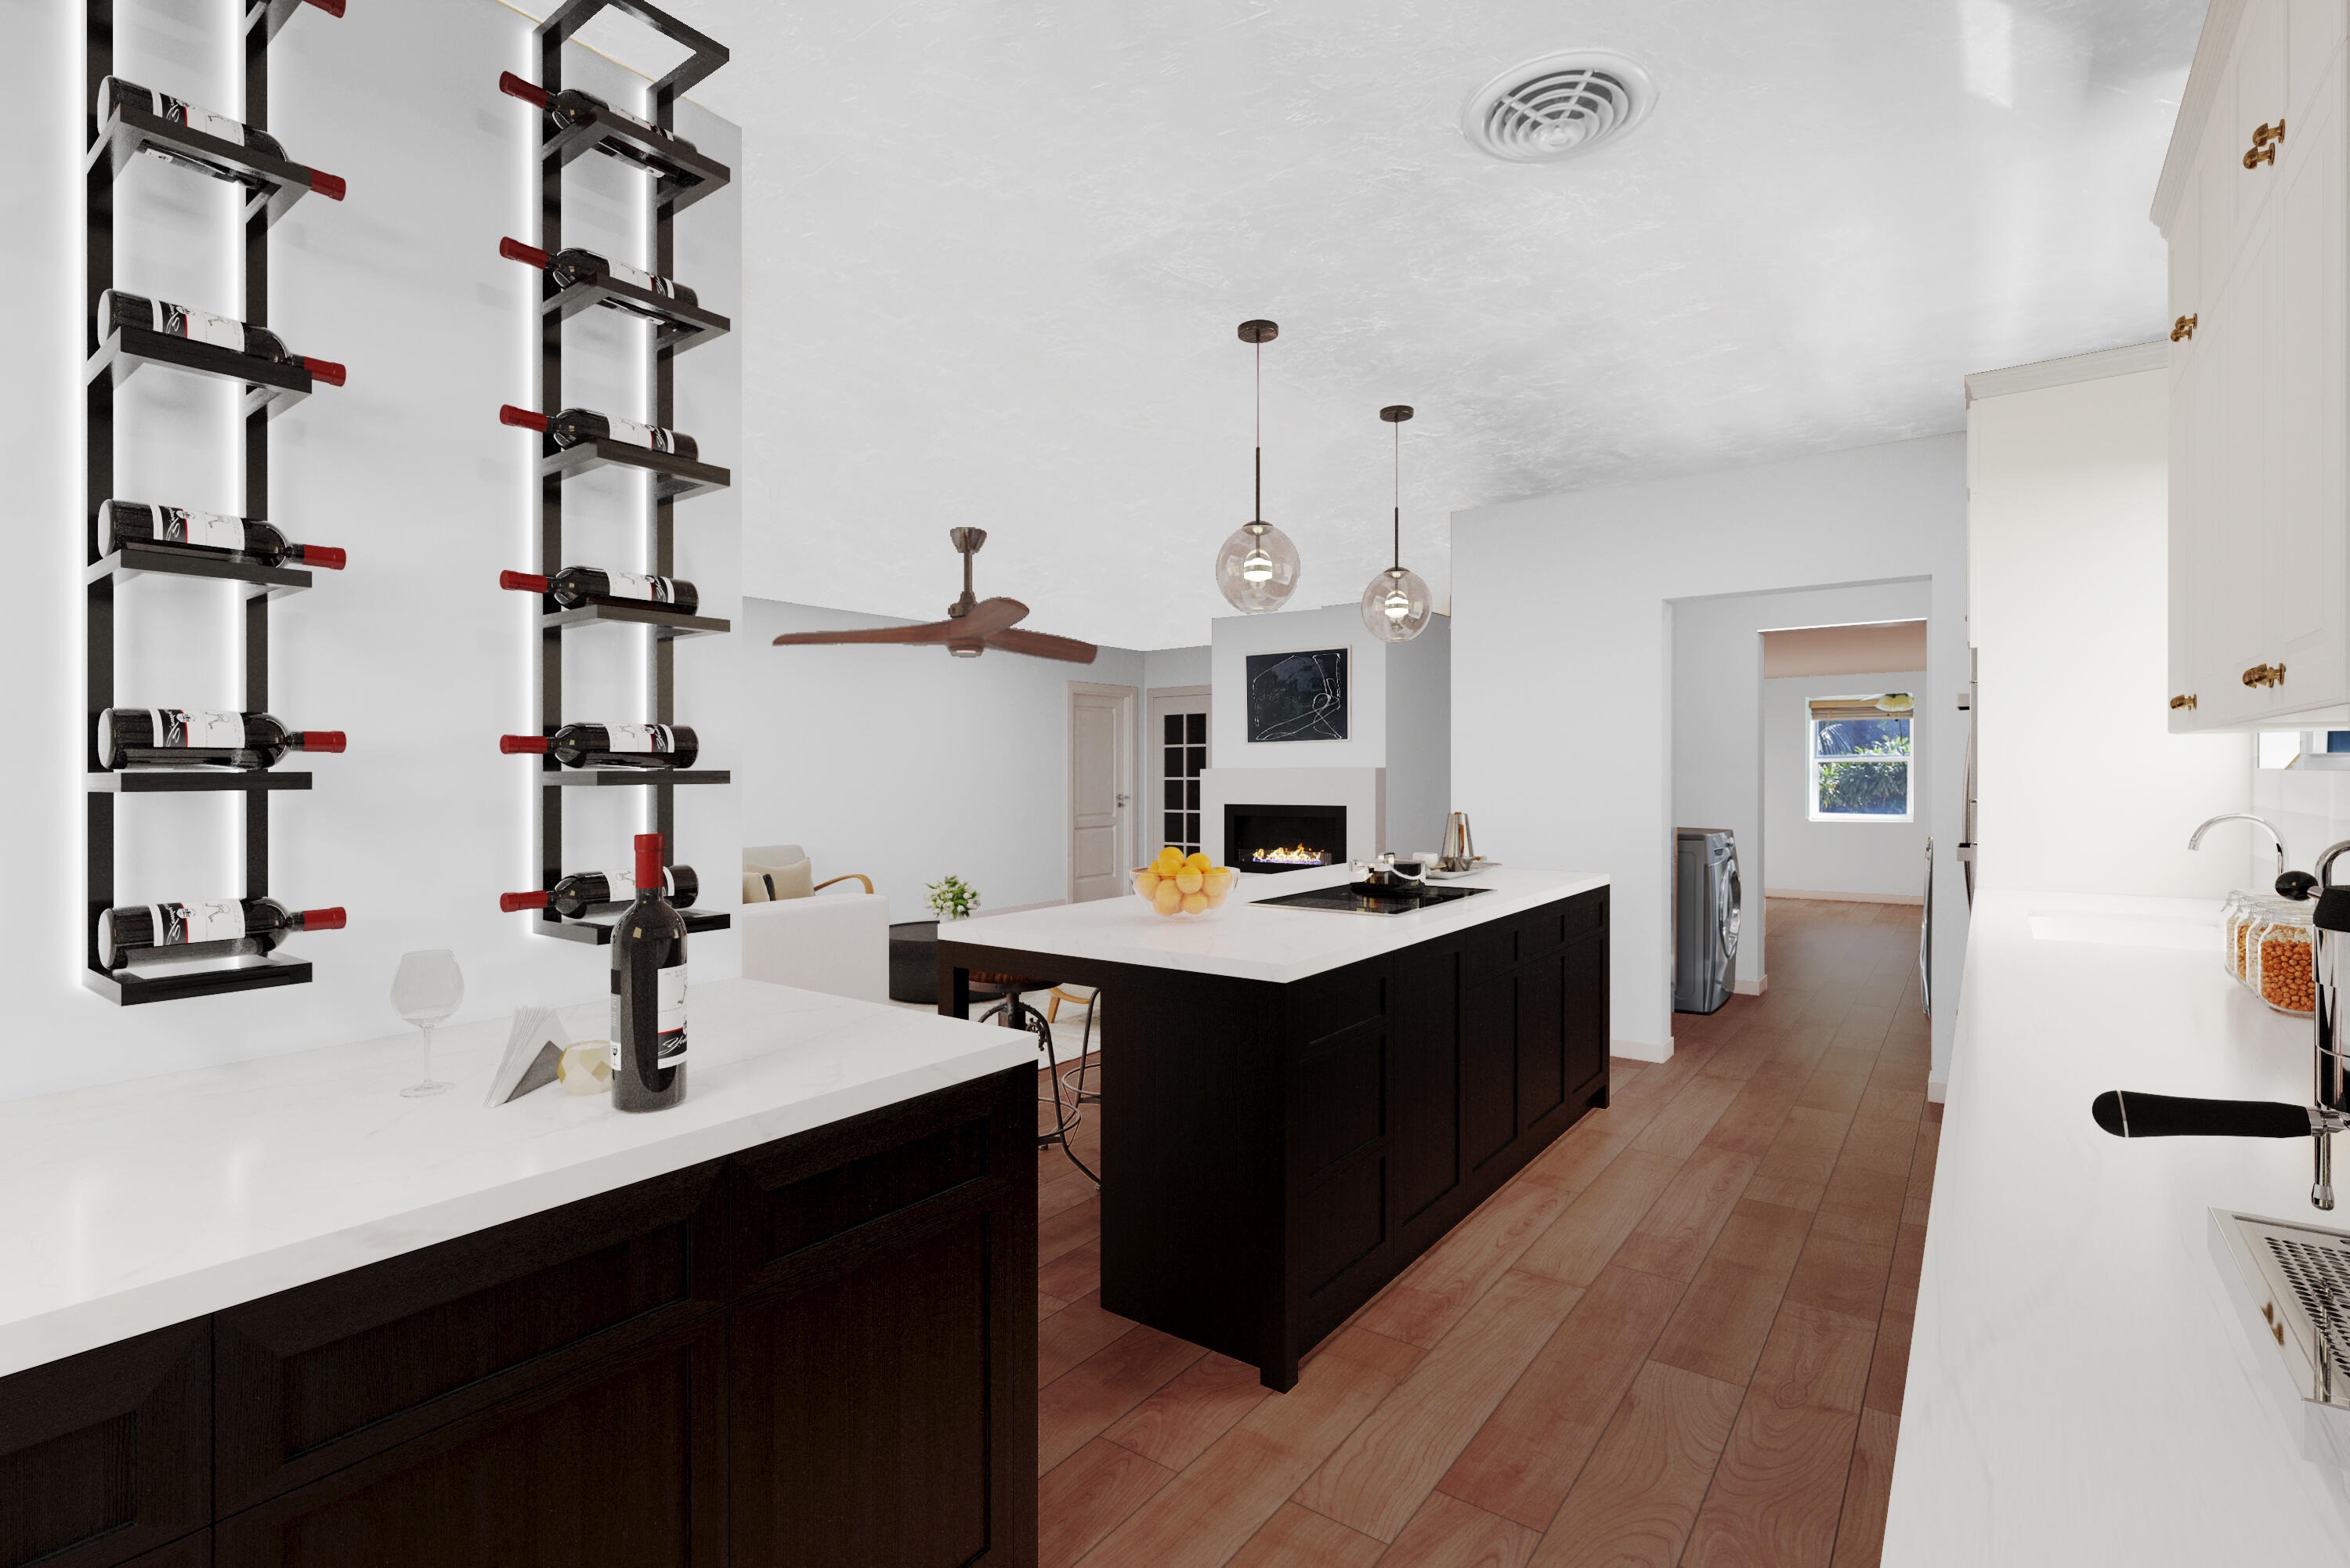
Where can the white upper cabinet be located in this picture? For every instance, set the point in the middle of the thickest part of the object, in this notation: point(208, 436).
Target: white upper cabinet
point(2254, 201)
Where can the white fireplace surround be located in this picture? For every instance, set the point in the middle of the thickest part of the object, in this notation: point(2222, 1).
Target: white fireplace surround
point(1362, 791)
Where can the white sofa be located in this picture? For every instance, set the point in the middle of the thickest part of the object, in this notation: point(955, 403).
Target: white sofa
point(836, 941)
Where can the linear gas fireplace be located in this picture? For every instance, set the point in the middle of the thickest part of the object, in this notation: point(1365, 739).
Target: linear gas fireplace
point(1283, 837)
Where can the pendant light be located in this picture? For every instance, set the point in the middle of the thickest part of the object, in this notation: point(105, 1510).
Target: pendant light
point(1257, 567)
point(1396, 606)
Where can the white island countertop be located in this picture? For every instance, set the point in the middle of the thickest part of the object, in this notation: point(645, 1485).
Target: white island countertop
point(1274, 944)
point(138, 1205)
point(2080, 1390)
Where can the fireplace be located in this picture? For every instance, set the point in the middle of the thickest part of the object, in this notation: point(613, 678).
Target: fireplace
point(1285, 837)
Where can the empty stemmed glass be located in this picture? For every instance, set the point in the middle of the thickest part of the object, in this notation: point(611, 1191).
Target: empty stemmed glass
point(425, 992)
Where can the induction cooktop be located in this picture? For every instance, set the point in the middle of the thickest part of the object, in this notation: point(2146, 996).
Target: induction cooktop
point(1345, 901)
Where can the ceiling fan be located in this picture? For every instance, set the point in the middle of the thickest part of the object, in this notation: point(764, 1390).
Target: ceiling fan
point(972, 626)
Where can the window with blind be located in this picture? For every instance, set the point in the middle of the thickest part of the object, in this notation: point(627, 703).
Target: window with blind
point(1859, 761)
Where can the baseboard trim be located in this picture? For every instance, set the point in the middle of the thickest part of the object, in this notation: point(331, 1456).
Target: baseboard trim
point(1753, 987)
point(1917, 901)
point(1641, 1050)
point(1937, 1090)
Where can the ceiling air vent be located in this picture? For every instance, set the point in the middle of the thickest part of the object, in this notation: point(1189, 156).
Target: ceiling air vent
point(1559, 106)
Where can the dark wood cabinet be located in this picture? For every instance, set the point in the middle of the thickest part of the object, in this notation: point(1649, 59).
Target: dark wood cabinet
point(1275, 1154)
point(820, 1350)
point(107, 1455)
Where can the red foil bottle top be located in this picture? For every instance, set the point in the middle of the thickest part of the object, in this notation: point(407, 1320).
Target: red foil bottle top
point(330, 186)
point(518, 745)
point(513, 85)
point(527, 420)
point(524, 582)
point(330, 557)
point(515, 250)
point(322, 740)
point(321, 920)
point(649, 862)
point(325, 370)
point(331, 7)
point(514, 903)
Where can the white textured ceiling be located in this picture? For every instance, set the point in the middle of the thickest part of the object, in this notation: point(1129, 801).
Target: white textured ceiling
point(996, 254)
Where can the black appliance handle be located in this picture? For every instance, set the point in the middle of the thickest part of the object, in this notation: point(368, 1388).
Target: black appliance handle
point(2135, 1114)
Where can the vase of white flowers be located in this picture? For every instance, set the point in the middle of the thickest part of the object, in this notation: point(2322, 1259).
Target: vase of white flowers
point(953, 899)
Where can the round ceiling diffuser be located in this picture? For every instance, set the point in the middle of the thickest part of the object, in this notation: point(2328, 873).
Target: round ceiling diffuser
point(1559, 106)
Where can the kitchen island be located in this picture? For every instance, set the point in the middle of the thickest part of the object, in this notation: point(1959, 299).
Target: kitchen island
point(2082, 1388)
point(274, 1313)
point(1298, 1102)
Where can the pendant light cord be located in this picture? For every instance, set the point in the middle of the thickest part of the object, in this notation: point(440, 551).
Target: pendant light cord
point(1398, 496)
point(1259, 514)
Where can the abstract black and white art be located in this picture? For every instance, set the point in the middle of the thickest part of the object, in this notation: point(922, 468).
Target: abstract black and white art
point(1298, 696)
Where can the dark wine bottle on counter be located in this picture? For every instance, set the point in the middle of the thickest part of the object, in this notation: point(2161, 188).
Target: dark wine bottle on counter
point(573, 426)
point(217, 928)
point(601, 892)
point(649, 1034)
point(203, 737)
point(572, 266)
point(123, 524)
point(571, 107)
point(611, 745)
point(575, 586)
point(116, 309)
point(114, 93)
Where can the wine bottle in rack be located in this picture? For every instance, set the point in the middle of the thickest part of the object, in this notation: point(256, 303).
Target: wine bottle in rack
point(572, 266)
point(649, 1033)
point(601, 892)
point(114, 93)
point(116, 309)
point(573, 427)
point(571, 107)
point(610, 745)
point(203, 737)
point(205, 929)
point(575, 586)
point(123, 524)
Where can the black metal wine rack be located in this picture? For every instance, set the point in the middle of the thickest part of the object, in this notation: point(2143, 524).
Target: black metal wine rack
point(271, 187)
point(676, 328)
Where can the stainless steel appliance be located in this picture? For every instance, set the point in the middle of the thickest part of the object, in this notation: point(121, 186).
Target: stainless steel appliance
point(1706, 897)
point(1460, 848)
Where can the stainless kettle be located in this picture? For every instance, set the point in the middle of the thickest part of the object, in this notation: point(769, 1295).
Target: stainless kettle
point(1460, 851)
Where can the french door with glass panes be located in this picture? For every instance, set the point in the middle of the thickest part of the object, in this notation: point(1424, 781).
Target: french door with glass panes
point(1179, 732)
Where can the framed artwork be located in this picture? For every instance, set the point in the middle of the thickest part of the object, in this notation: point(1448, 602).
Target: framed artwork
point(1298, 696)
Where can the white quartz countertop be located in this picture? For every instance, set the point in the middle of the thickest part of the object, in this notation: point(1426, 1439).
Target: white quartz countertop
point(1247, 943)
point(2079, 1389)
point(133, 1205)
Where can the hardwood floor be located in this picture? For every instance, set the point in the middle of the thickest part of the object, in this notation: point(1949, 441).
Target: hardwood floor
point(1678, 1337)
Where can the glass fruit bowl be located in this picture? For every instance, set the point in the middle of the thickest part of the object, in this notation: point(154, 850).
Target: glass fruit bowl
point(1177, 886)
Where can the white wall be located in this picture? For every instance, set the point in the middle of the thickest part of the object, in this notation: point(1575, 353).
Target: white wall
point(2070, 577)
point(1718, 745)
point(1561, 667)
point(1419, 738)
point(907, 764)
point(1164, 667)
point(1234, 637)
point(414, 651)
point(2309, 809)
point(1808, 857)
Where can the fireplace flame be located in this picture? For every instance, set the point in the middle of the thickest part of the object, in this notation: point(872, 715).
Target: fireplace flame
point(1300, 855)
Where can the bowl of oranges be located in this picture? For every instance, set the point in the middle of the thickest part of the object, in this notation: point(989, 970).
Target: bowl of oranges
point(1178, 884)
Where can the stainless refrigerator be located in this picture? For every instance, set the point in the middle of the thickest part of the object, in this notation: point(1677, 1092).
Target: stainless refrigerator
point(1705, 918)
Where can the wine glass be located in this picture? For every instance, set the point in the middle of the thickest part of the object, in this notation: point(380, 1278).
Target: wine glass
point(426, 991)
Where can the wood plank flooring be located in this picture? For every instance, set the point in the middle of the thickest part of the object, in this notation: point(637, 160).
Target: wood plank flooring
point(1678, 1337)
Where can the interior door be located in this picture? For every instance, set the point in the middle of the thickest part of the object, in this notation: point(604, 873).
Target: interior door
point(1101, 790)
point(1177, 742)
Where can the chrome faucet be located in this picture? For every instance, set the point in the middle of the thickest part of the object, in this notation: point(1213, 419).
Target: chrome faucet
point(2195, 839)
point(2331, 1093)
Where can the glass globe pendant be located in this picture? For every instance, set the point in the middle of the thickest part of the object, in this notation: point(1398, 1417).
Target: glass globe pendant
point(1395, 606)
point(1256, 570)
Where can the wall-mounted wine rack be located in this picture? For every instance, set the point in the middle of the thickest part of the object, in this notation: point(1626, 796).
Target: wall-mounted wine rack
point(676, 327)
point(272, 186)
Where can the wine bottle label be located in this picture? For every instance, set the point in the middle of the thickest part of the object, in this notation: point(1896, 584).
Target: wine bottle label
point(669, 1015)
point(213, 920)
point(197, 728)
point(197, 325)
point(180, 111)
point(641, 738)
point(631, 585)
point(649, 282)
point(650, 436)
point(620, 884)
point(179, 526)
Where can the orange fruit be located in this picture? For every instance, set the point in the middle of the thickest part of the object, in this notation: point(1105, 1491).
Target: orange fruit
point(1146, 883)
point(1188, 880)
point(1168, 899)
point(1169, 861)
point(1194, 902)
point(1197, 861)
point(1215, 896)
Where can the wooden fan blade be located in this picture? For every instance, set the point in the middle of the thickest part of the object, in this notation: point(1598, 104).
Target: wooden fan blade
point(933, 631)
point(988, 617)
point(1045, 645)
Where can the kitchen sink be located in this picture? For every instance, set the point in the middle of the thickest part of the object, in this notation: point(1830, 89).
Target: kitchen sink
point(2129, 931)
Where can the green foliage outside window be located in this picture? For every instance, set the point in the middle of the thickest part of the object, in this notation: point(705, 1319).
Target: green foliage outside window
point(1861, 767)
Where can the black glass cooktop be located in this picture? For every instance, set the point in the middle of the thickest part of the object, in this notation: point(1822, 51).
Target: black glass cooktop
point(1346, 901)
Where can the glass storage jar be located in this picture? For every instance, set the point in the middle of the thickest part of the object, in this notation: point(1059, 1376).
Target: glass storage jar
point(2284, 944)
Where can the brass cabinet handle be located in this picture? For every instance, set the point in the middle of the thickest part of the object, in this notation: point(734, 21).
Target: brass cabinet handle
point(2186, 702)
point(2264, 675)
point(2181, 329)
point(2265, 141)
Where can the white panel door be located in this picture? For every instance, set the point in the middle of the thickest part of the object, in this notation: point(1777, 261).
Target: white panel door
point(1101, 790)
